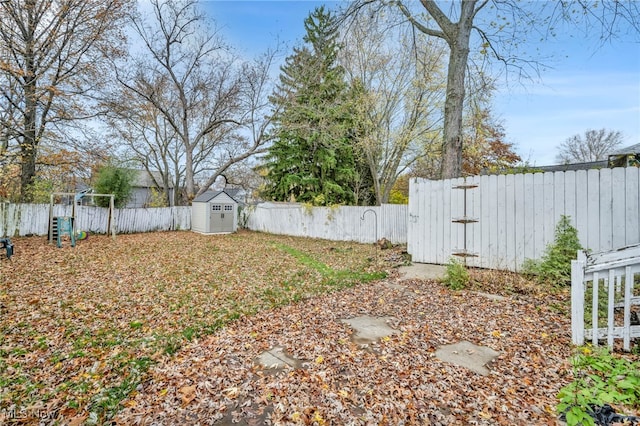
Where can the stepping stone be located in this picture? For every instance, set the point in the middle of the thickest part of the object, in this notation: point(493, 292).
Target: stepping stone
point(369, 329)
point(277, 358)
point(422, 271)
point(468, 355)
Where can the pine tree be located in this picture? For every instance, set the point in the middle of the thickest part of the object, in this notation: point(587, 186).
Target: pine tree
point(311, 159)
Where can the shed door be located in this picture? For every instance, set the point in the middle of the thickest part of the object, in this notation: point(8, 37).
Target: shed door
point(221, 218)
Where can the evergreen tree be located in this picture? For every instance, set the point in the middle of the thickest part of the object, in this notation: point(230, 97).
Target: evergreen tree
point(312, 159)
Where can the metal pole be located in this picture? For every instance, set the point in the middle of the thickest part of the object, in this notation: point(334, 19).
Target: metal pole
point(376, 219)
point(51, 219)
point(111, 218)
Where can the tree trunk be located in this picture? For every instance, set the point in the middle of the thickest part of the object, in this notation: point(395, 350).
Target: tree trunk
point(27, 169)
point(29, 145)
point(188, 173)
point(454, 102)
point(376, 184)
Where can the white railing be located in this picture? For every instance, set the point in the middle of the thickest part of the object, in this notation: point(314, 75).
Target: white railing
point(607, 279)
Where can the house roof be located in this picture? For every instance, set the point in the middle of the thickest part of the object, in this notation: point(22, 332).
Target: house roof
point(144, 179)
point(631, 149)
point(572, 166)
point(210, 195)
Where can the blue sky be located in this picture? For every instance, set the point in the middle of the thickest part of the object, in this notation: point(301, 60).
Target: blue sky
point(590, 86)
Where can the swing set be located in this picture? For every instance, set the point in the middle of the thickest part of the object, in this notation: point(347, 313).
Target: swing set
point(59, 226)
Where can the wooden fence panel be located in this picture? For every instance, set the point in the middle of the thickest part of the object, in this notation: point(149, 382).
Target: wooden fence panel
point(593, 208)
point(484, 217)
point(441, 230)
point(581, 219)
point(501, 222)
point(632, 205)
point(538, 215)
point(518, 214)
point(619, 210)
point(92, 219)
point(548, 214)
point(344, 223)
point(605, 215)
point(527, 210)
point(510, 218)
point(394, 222)
point(475, 231)
point(33, 219)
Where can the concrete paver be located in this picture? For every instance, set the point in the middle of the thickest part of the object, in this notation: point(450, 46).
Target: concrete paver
point(422, 271)
point(369, 329)
point(277, 358)
point(468, 355)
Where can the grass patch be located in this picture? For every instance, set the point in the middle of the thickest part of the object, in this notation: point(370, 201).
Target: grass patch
point(332, 277)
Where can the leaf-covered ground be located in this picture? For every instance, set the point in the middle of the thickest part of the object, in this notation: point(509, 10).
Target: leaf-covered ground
point(79, 328)
point(140, 331)
point(394, 381)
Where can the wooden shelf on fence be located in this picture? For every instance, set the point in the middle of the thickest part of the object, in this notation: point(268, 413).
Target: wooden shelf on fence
point(464, 253)
point(465, 220)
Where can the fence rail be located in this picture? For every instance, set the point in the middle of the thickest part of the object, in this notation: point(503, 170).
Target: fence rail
point(602, 284)
point(33, 219)
point(344, 223)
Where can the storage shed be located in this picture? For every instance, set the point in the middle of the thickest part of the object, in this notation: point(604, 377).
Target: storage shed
point(214, 212)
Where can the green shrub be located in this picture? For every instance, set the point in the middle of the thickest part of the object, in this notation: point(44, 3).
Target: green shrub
point(457, 276)
point(40, 190)
point(555, 265)
point(397, 197)
point(599, 378)
point(113, 180)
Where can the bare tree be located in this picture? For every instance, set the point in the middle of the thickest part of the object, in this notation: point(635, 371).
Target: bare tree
point(195, 93)
point(52, 58)
point(149, 139)
point(501, 27)
point(256, 110)
point(595, 146)
point(400, 98)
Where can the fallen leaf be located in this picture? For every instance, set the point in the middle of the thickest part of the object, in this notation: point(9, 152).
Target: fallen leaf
point(77, 420)
point(188, 394)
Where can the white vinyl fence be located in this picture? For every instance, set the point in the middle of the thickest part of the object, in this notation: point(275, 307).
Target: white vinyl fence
point(509, 218)
point(344, 223)
point(33, 219)
point(603, 284)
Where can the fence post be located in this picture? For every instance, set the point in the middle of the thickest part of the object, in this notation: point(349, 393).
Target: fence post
point(577, 299)
point(626, 329)
point(610, 305)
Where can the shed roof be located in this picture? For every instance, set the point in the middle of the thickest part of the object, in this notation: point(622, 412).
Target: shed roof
point(205, 197)
point(631, 149)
